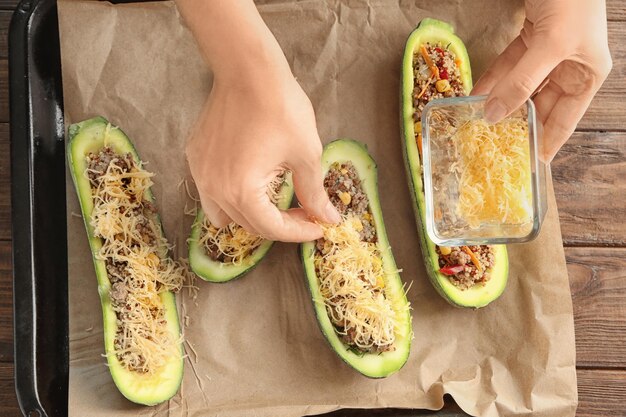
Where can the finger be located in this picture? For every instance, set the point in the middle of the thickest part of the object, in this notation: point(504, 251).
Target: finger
point(519, 84)
point(562, 122)
point(309, 187)
point(502, 65)
point(288, 226)
point(239, 218)
point(214, 213)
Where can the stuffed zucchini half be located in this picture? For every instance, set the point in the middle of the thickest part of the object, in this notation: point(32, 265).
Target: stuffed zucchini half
point(436, 65)
point(223, 254)
point(136, 277)
point(358, 296)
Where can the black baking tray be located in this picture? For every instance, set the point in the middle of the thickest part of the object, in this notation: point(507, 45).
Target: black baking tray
point(38, 211)
point(40, 286)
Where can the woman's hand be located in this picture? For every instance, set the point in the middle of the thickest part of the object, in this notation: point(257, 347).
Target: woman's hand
point(247, 134)
point(563, 51)
point(256, 123)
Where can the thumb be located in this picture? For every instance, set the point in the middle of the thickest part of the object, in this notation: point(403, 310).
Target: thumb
point(309, 186)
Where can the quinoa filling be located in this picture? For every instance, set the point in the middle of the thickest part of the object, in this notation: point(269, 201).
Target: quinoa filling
point(461, 267)
point(436, 75)
point(134, 252)
point(346, 301)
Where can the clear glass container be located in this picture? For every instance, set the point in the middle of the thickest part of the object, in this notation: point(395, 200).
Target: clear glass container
point(463, 205)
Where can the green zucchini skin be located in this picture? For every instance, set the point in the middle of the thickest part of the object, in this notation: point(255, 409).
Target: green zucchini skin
point(432, 30)
point(219, 272)
point(91, 136)
point(370, 365)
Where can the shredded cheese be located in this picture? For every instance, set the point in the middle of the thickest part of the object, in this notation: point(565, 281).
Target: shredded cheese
point(135, 253)
point(352, 283)
point(493, 171)
point(232, 243)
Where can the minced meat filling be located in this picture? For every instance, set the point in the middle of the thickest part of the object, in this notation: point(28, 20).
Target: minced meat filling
point(126, 293)
point(345, 191)
point(144, 210)
point(436, 74)
point(469, 274)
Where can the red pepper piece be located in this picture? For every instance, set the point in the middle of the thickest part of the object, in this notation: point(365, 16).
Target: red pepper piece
point(443, 74)
point(439, 50)
point(452, 270)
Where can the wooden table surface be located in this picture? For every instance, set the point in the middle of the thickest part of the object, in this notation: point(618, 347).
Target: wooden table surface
point(590, 184)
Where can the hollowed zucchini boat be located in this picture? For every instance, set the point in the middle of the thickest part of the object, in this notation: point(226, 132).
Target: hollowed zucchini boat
point(149, 389)
point(215, 271)
point(438, 32)
point(379, 364)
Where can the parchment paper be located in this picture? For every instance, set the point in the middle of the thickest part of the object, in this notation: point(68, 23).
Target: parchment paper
point(257, 349)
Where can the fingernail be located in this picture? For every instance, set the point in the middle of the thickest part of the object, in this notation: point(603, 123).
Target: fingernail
point(495, 110)
point(331, 213)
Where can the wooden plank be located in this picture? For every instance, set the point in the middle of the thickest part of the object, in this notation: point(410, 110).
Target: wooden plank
point(6, 303)
point(5, 183)
point(8, 400)
point(4, 91)
point(590, 190)
point(598, 283)
point(5, 18)
point(615, 81)
point(616, 10)
point(8, 4)
point(608, 109)
point(601, 393)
